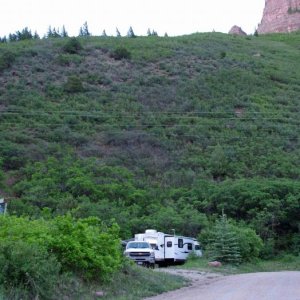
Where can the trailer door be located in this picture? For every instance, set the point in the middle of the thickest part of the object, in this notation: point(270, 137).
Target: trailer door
point(169, 247)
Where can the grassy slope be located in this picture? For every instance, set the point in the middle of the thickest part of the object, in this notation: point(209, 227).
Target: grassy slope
point(163, 112)
point(200, 107)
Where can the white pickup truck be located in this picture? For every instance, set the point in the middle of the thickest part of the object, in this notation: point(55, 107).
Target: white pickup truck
point(141, 253)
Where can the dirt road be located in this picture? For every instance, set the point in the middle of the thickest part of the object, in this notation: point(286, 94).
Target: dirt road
point(254, 286)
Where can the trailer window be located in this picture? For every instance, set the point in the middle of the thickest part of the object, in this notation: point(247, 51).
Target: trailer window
point(169, 244)
point(197, 247)
point(190, 246)
point(180, 243)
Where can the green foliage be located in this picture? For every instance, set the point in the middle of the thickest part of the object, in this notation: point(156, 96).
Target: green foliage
point(250, 244)
point(72, 46)
point(239, 236)
point(55, 33)
point(68, 59)
point(28, 271)
point(118, 34)
point(87, 187)
point(134, 283)
point(73, 85)
point(196, 133)
point(84, 30)
point(121, 53)
point(24, 34)
point(269, 206)
point(224, 245)
point(85, 247)
point(130, 33)
point(7, 58)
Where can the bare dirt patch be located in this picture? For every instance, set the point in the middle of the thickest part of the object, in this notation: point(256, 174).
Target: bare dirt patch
point(254, 286)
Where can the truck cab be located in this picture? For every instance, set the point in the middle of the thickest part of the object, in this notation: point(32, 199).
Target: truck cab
point(140, 252)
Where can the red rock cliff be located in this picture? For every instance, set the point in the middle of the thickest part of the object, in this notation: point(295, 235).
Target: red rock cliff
point(280, 16)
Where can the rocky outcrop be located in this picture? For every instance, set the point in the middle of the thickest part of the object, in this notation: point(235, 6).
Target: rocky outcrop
point(236, 30)
point(280, 16)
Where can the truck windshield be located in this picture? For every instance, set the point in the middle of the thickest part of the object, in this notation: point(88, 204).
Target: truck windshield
point(137, 245)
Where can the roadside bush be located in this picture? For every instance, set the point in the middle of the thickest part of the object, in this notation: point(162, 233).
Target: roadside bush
point(73, 46)
point(27, 271)
point(121, 53)
point(231, 242)
point(73, 85)
point(84, 247)
point(250, 244)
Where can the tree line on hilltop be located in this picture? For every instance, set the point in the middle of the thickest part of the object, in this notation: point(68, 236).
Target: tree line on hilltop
point(26, 33)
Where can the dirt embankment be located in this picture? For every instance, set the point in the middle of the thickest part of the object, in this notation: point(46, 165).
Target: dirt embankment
point(254, 286)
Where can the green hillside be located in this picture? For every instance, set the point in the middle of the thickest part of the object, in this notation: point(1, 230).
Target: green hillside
point(155, 132)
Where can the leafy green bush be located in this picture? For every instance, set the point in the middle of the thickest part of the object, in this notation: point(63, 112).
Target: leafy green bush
point(73, 85)
point(6, 59)
point(121, 53)
point(250, 244)
point(68, 59)
point(85, 247)
point(72, 46)
point(28, 271)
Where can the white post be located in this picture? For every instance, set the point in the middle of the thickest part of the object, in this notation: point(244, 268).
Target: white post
point(3, 207)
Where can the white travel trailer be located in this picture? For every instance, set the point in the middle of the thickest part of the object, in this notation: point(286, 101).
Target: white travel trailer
point(168, 248)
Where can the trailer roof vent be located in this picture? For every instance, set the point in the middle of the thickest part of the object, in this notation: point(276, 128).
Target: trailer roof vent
point(151, 231)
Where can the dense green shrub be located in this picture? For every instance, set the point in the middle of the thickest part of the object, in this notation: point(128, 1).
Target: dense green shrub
point(85, 247)
point(7, 58)
point(73, 85)
point(72, 46)
point(121, 53)
point(231, 242)
point(250, 244)
point(28, 271)
point(68, 59)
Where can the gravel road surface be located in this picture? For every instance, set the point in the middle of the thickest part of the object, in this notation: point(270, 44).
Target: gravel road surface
point(253, 286)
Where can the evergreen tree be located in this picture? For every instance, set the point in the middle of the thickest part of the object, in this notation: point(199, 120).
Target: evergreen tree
point(104, 33)
point(166, 34)
point(84, 30)
point(49, 32)
point(224, 243)
point(154, 33)
point(130, 33)
point(149, 32)
point(36, 36)
point(64, 32)
point(3, 40)
point(118, 32)
point(55, 33)
point(12, 37)
point(25, 34)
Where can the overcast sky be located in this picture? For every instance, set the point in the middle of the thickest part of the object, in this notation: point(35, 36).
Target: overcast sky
point(176, 17)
